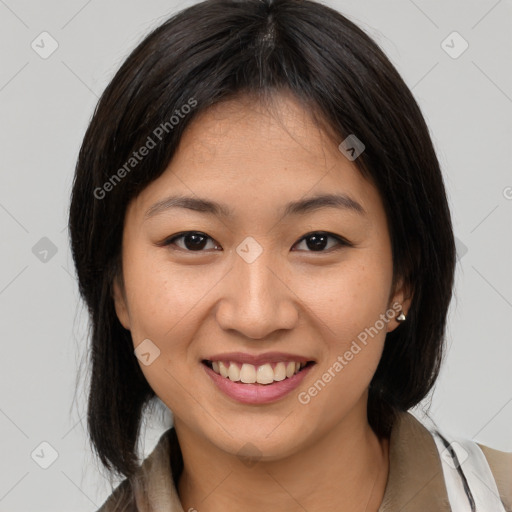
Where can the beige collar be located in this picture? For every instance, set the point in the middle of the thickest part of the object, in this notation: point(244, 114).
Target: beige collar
point(415, 480)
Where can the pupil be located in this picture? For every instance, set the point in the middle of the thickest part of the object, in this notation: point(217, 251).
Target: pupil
point(316, 242)
point(197, 241)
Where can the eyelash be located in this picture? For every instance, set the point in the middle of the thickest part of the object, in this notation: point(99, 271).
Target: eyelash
point(341, 241)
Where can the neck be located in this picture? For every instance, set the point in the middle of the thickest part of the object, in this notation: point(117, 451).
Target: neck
point(346, 470)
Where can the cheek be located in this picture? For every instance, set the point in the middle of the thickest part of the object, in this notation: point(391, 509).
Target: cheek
point(349, 307)
point(162, 295)
point(353, 336)
point(349, 299)
point(167, 305)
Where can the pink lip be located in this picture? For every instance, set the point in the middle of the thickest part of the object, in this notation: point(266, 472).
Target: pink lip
point(268, 357)
point(256, 393)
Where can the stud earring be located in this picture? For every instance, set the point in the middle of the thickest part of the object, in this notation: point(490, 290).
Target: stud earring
point(401, 317)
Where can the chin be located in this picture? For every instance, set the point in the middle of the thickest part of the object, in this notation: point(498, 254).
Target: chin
point(269, 440)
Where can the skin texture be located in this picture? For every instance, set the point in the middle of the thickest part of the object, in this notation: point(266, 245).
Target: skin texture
point(317, 456)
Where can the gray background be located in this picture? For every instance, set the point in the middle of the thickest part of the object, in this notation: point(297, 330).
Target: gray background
point(45, 105)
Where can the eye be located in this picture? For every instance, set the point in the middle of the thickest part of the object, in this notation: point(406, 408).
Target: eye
point(319, 241)
point(191, 241)
point(196, 241)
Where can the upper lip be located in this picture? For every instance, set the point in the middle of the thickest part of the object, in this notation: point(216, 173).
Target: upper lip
point(267, 357)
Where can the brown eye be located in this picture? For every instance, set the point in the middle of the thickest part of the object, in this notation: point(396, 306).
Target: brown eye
point(193, 241)
point(319, 241)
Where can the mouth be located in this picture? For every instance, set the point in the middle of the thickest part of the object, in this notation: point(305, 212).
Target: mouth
point(257, 379)
point(264, 374)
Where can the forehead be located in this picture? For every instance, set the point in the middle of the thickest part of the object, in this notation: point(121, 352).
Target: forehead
point(246, 153)
point(246, 126)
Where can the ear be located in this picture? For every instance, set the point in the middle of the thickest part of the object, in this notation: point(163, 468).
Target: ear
point(400, 300)
point(120, 302)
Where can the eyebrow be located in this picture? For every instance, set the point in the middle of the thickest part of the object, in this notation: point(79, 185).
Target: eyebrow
point(302, 206)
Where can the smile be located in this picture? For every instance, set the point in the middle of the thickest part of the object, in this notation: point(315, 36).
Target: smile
point(256, 380)
point(247, 373)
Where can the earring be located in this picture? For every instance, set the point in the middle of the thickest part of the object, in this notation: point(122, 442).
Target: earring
point(401, 317)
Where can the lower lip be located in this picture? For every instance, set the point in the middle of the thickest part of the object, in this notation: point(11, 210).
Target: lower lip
point(257, 393)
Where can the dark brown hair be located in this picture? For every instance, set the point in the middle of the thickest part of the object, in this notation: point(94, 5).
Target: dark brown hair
point(211, 52)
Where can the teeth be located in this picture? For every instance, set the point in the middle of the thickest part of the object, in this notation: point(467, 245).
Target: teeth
point(247, 373)
point(234, 372)
point(280, 371)
point(222, 369)
point(264, 374)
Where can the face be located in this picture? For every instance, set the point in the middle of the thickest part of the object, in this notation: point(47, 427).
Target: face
point(254, 276)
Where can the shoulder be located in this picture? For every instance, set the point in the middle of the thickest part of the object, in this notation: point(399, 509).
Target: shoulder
point(151, 487)
point(446, 461)
point(121, 499)
point(500, 464)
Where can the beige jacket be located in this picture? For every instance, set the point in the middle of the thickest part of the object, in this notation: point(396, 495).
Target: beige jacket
point(415, 481)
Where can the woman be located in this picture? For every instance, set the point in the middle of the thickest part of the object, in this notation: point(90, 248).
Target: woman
point(261, 233)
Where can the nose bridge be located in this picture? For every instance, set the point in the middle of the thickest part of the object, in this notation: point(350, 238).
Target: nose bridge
point(252, 267)
point(257, 300)
point(262, 286)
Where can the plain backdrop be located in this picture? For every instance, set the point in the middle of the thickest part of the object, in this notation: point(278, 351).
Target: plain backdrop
point(45, 105)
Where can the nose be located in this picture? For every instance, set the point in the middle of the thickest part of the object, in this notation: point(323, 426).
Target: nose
point(257, 299)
